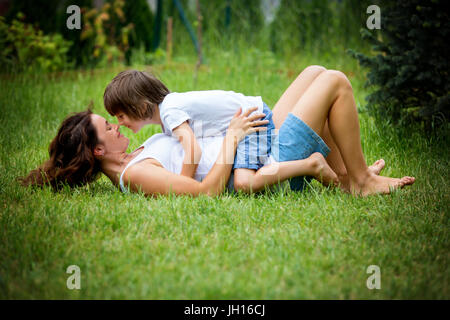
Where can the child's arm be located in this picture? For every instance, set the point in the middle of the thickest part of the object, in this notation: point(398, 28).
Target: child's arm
point(192, 150)
point(250, 181)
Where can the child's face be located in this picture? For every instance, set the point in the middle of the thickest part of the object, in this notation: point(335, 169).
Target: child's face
point(134, 124)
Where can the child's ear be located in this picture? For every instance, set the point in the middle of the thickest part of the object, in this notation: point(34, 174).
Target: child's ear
point(99, 151)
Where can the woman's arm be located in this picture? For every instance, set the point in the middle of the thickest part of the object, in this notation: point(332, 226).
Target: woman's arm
point(154, 180)
point(192, 150)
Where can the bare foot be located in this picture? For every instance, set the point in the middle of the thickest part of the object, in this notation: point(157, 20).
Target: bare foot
point(323, 172)
point(374, 184)
point(377, 166)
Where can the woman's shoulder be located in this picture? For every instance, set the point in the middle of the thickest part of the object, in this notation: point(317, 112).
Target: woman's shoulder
point(144, 168)
point(142, 165)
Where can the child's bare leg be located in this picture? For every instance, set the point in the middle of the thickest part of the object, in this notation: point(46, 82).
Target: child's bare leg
point(330, 97)
point(249, 180)
point(244, 180)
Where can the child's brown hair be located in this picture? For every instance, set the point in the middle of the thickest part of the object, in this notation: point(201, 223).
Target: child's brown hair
point(135, 93)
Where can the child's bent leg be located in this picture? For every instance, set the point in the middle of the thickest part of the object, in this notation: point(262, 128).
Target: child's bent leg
point(243, 179)
point(249, 180)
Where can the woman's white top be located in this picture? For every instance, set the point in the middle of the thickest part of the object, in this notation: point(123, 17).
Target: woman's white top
point(168, 151)
point(208, 112)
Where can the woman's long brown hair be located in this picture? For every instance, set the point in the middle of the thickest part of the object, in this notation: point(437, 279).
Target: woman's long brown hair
point(71, 152)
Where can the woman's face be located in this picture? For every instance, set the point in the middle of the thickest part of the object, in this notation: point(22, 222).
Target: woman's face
point(109, 135)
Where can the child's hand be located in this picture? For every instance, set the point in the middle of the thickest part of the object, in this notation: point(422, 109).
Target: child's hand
point(243, 124)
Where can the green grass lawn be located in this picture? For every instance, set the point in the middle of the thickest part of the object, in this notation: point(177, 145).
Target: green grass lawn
point(315, 244)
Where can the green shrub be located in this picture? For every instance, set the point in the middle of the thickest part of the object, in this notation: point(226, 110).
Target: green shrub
point(23, 47)
point(104, 35)
point(410, 71)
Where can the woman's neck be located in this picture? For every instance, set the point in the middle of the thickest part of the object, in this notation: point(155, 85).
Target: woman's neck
point(114, 164)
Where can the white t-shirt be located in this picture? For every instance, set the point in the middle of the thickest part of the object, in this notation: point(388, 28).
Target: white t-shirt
point(208, 112)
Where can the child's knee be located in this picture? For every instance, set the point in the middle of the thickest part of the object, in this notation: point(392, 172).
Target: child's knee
point(241, 182)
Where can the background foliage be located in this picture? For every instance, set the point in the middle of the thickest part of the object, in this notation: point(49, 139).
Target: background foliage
point(105, 33)
point(411, 68)
point(299, 27)
point(24, 48)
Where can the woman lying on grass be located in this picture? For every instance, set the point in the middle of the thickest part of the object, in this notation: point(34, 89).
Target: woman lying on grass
point(316, 118)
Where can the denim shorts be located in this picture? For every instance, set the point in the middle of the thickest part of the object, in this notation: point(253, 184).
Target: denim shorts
point(255, 148)
point(296, 141)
